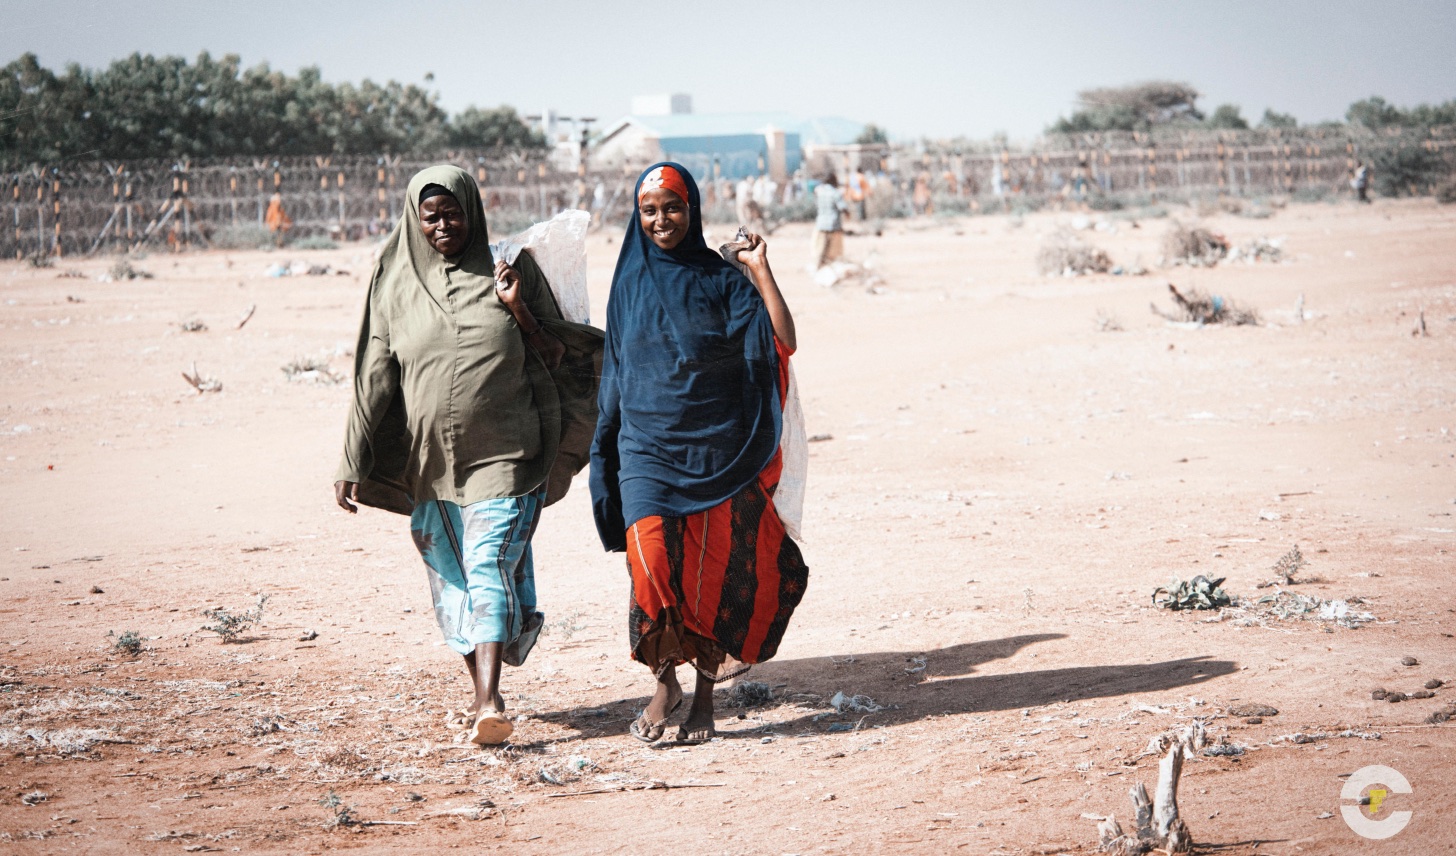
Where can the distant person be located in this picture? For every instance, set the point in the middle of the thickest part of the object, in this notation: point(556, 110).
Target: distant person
point(466, 402)
point(858, 193)
point(276, 219)
point(742, 199)
point(920, 197)
point(1361, 181)
point(686, 460)
point(828, 244)
point(1080, 177)
point(951, 182)
point(765, 189)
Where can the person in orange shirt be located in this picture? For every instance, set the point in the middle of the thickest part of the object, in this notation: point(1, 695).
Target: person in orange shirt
point(858, 191)
point(276, 219)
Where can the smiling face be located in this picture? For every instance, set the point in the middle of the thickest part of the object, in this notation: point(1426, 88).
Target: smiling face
point(444, 225)
point(664, 217)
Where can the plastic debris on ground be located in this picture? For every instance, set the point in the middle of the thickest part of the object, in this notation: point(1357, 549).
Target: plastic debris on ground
point(750, 694)
point(1256, 250)
point(842, 273)
point(854, 704)
point(301, 268)
point(1292, 606)
point(1197, 593)
point(311, 370)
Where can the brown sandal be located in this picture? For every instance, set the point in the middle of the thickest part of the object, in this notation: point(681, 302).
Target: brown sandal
point(491, 729)
point(648, 731)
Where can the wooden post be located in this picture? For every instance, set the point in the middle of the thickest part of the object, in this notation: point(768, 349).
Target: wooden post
point(1152, 155)
point(186, 207)
point(233, 192)
point(381, 197)
point(40, 214)
point(15, 207)
point(116, 203)
point(391, 176)
point(56, 210)
point(541, 187)
point(1221, 153)
point(341, 202)
point(129, 193)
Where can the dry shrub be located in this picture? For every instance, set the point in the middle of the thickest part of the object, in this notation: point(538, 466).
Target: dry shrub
point(1446, 193)
point(1196, 246)
point(1200, 308)
point(1063, 254)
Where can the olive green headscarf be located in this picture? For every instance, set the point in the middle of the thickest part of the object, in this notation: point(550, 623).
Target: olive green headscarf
point(565, 398)
point(407, 249)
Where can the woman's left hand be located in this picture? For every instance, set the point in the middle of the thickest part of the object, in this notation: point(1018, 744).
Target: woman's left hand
point(507, 284)
point(755, 255)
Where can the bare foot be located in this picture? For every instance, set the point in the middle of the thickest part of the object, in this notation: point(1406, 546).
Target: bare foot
point(699, 727)
point(497, 703)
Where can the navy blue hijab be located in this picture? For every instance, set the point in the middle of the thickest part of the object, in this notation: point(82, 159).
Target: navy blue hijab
point(689, 409)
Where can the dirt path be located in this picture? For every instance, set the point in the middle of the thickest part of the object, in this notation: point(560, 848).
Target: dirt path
point(1003, 486)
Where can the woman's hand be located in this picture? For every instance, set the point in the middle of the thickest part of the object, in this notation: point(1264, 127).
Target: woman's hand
point(755, 255)
point(507, 284)
point(345, 491)
point(755, 258)
point(550, 348)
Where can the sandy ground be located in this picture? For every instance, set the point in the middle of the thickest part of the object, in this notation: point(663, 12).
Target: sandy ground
point(1003, 486)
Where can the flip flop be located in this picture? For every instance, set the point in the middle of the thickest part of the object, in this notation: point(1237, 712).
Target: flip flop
point(491, 729)
point(460, 719)
point(645, 734)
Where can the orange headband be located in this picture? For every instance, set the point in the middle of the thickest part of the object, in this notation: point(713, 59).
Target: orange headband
point(666, 177)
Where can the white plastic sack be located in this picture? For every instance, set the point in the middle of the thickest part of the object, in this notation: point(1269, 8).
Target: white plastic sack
point(794, 446)
point(559, 248)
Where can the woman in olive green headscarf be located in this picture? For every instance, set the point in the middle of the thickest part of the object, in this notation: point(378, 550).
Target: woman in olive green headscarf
point(474, 404)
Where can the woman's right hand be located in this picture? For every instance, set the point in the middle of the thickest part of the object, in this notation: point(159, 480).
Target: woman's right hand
point(345, 491)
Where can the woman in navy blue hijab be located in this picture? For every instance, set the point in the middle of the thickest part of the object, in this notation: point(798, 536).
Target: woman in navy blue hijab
point(686, 456)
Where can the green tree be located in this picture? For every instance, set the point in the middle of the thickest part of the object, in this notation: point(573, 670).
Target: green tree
point(162, 107)
point(872, 135)
point(474, 127)
point(1139, 106)
point(1374, 113)
point(1227, 117)
point(1278, 120)
point(1426, 115)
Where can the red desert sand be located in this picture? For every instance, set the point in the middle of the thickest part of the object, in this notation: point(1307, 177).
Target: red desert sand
point(1000, 479)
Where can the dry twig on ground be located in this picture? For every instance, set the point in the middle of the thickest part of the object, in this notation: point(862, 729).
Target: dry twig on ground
point(200, 383)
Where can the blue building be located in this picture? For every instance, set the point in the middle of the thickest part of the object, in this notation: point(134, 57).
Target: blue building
point(736, 144)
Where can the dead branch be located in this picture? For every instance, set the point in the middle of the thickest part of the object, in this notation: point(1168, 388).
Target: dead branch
point(200, 383)
point(247, 316)
point(650, 786)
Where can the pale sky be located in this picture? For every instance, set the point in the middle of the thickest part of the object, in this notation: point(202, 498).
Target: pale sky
point(917, 67)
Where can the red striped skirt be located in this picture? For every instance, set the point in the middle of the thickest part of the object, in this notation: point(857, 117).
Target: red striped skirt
point(715, 589)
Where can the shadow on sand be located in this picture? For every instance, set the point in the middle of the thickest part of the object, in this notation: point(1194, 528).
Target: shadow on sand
point(946, 685)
